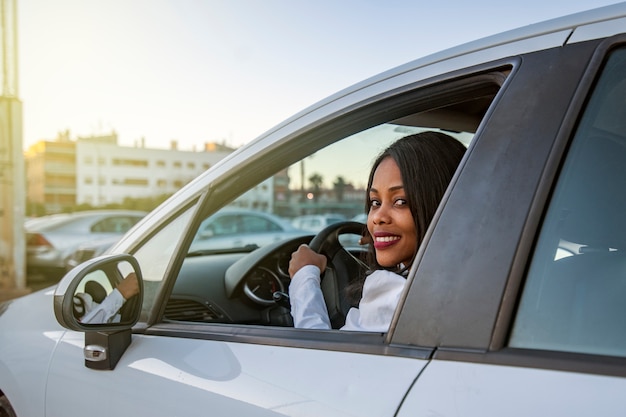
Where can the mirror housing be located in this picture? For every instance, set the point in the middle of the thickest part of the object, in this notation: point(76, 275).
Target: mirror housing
point(108, 271)
point(93, 282)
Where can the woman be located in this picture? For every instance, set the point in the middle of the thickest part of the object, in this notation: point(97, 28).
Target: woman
point(405, 186)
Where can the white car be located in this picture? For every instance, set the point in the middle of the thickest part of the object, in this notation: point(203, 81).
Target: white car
point(316, 222)
point(51, 240)
point(492, 321)
point(241, 229)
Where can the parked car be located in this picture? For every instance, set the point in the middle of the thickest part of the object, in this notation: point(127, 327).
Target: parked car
point(226, 230)
point(492, 322)
point(316, 222)
point(90, 249)
point(233, 228)
point(50, 240)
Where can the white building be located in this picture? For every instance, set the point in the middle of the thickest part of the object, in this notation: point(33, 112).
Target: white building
point(108, 173)
point(97, 171)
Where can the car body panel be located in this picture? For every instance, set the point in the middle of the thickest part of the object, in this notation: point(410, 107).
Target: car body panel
point(456, 388)
point(27, 322)
point(598, 30)
point(229, 379)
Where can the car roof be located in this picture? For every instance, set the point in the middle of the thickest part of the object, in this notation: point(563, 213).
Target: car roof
point(54, 220)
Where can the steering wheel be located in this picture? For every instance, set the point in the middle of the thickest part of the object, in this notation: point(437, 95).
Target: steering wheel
point(342, 268)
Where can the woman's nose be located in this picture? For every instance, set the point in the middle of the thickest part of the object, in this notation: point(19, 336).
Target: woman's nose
point(381, 215)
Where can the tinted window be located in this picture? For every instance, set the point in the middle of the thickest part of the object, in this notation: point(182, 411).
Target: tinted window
point(575, 295)
point(114, 224)
point(256, 224)
point(225, 225)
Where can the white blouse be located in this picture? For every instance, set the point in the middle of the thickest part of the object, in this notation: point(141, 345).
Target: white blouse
point(105, 312)
point(381, 293)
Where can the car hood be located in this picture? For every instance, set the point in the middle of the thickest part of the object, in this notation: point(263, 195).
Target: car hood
point(32, 313)
point(29, 335)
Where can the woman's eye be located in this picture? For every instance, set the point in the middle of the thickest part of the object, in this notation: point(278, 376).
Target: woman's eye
point(401, 202)
point(374, 203)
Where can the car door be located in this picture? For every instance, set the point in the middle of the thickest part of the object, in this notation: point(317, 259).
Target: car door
point(556, 344)
point(191, 368)
point(174, 376)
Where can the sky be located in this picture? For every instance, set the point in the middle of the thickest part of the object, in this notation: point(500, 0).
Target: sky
point(226, 71)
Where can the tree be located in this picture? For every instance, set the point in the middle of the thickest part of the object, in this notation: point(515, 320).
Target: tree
point(316, 181)
point(339, 186)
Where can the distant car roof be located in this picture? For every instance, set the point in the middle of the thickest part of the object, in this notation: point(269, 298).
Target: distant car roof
point(55, 220)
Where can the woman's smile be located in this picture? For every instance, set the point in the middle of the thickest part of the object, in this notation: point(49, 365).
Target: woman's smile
point(384, 240)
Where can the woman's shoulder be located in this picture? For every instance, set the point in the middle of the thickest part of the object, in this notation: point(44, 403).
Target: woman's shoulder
point(383, 279)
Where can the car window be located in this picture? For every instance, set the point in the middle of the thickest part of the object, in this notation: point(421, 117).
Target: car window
point(257, 224)
point(117, 224)
point(235, 270)
point(225, 225)
point(574, 298)
point(155, 254)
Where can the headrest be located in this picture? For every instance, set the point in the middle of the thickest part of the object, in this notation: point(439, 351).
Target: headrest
point(96, 290)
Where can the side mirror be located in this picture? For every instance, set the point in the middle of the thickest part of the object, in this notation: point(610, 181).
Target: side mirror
point(88, 285)
point(85, 301)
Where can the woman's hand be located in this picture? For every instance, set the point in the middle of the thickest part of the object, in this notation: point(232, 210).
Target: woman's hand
point(306, 256)
point(129, 286)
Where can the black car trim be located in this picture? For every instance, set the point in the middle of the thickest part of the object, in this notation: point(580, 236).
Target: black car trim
point(539, 359)
point(330, 340)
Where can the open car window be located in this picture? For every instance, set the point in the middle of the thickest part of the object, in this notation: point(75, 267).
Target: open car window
point(237, 261)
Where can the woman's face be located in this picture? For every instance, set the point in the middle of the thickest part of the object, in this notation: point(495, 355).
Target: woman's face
point(389, 220)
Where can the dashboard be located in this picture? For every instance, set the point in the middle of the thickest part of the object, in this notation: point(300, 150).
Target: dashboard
point(235, 287)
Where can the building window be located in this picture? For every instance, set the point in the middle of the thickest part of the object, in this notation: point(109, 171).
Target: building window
point(130, 162)
point(136, 181)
